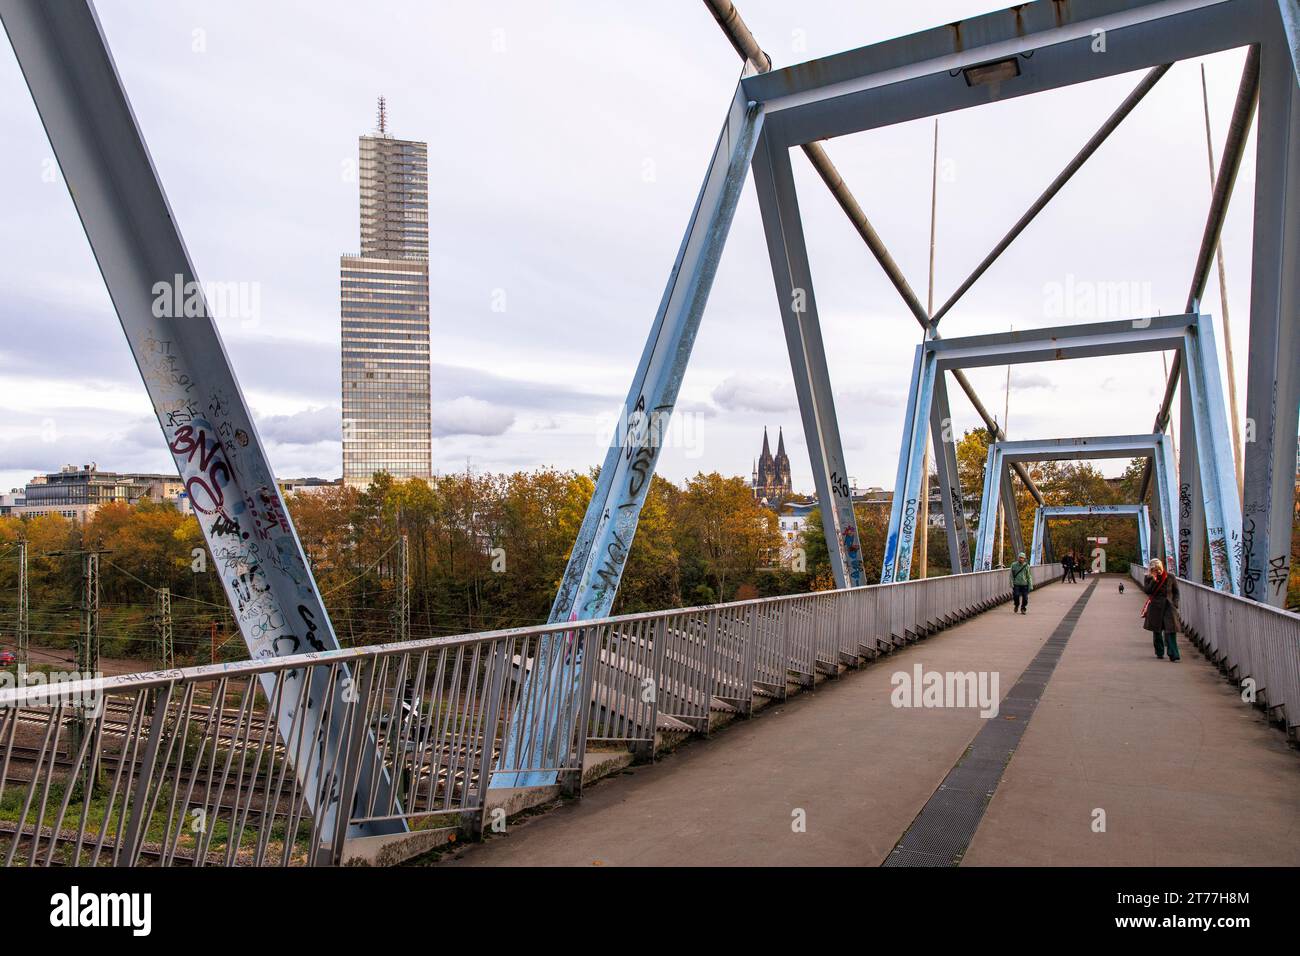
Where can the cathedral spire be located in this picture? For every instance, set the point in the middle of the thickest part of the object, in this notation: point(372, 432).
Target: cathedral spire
point(767, 449)
point(780, 442)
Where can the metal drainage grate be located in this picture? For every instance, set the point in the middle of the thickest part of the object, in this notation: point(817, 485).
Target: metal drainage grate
point(942, 831)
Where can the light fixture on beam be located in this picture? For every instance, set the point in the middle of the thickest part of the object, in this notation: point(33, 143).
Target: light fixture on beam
point(998, 71)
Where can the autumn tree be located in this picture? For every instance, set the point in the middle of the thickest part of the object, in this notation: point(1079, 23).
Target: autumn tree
point(724, 533)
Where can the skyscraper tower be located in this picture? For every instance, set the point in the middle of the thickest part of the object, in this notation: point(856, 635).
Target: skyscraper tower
point(384, 298)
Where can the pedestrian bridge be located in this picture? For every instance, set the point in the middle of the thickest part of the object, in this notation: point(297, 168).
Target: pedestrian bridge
point(816, 747)
point(1097, 753)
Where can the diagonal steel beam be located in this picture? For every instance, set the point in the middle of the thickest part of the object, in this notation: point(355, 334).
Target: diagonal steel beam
point(1273, 364)
point(1112, 123)
point(733, 25)
point(1234, 147)
point(779, 206)
point(205, 421)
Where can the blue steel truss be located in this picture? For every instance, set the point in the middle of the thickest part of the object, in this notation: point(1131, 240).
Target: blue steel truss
point(1042, 546)
point(1205, 428)
point(997, 481)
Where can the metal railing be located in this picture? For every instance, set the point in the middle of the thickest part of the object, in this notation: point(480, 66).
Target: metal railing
point(210, 765)
point(1248, 641)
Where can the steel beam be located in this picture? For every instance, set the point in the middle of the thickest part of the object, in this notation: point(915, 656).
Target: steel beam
point(897, 564)
point(599, 555)
point(1044, 45)
point(1214, 457)
point(204, 418)
point(1234, 146)
point(1206, 417)
point(1273, 366)
point(944, 443)
point(1167, 501)
point(743, 41)
point(1073, 166)
point(1090, 340)
point(1191, 506)
point(1045, 513)
point(1001, 454)
point(779, 205)
point(1012, 510)
point(595, 567)
point(1289, 11)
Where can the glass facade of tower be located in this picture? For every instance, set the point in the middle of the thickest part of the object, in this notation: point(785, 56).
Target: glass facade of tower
point(384, 295)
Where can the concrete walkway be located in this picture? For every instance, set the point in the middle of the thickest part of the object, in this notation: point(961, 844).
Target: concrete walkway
point(860, 769)
point(1186, 773)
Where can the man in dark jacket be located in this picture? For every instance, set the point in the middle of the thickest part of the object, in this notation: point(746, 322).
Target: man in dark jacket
point(1159, 616)
point(1067, 565)
point(1021, 582)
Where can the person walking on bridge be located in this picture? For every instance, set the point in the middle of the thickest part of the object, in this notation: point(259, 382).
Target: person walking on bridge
point(1020, 584)
point(1159, 613)
point(1067, 564)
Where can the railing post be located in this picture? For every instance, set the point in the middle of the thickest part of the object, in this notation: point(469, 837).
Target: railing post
point(355, 725)
point(656, 676)
point(137, 825)
point(710, 639)
point(500, 666)
point(587, 685)
point(750, 667)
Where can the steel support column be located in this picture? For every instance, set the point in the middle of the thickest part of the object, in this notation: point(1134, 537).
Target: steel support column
point(944, 443)
point(986, 533)
point(1191, 509)
point(1166, 495)
point(897, 564)
point(1222, 507)
point(595, 566)
point(1012, 511)
point(779, 204)
point(1273, 368)
point(599, 555)
point(198, 403)
point(1144, 535)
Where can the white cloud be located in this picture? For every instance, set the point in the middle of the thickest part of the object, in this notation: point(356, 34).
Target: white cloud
point(1024, 381)
point(307, 427)
point(745, 393)
point(470, 416)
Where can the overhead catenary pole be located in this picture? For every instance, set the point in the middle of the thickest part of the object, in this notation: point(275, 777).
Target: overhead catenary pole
point(747, 47)
point(1223, 298)
point(23, 629)
point(404, 590)
point(166, 654)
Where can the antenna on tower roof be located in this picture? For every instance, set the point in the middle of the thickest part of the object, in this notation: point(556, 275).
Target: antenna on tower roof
point(383, 117)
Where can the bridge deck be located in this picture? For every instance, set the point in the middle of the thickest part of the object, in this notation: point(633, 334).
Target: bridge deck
point(1185, 772)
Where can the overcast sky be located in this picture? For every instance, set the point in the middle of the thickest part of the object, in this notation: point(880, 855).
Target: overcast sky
point(567, 142)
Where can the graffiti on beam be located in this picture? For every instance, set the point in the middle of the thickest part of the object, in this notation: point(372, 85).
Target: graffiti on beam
point(1279, 573)
point(642, 442)
point(241, 513)
point(1250, 573)
point(852, 554)
point(1184, 528)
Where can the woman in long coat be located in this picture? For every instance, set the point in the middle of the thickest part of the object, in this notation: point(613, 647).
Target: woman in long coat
point(1160, 615)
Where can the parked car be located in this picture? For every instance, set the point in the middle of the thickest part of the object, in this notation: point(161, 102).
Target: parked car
point(8, 658)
